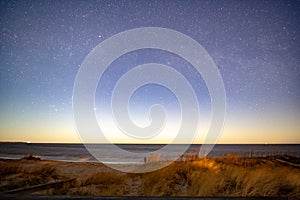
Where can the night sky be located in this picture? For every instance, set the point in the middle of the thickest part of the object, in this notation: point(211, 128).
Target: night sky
point(255, 45)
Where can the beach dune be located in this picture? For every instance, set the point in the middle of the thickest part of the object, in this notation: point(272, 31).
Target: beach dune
point(229, 175)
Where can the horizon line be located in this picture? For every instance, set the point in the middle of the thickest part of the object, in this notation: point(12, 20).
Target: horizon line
point(118, 143)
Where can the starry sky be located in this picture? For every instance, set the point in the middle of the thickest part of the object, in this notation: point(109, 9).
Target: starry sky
point(255, 45)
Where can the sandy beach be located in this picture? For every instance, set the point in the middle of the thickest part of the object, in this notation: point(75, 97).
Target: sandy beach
point(227, 176)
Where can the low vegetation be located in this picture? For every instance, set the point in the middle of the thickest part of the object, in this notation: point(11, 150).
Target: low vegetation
point(230, 175)
point(13, 176)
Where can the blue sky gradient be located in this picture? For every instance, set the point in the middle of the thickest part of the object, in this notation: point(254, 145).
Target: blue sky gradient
point(254, 44)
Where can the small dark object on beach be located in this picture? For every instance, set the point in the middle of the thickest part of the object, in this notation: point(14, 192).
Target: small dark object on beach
point(30, 157)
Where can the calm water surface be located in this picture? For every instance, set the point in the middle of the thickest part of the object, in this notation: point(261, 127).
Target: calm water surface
point(78, 153)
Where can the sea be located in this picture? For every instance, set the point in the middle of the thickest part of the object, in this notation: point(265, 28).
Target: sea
point(79, 153)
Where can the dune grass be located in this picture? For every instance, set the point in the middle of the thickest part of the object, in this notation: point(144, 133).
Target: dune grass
point(13, 176)
point(102, 183)
point(230, 175)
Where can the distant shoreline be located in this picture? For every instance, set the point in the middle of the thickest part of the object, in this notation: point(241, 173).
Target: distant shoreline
point(78, 161)
point(79, 152)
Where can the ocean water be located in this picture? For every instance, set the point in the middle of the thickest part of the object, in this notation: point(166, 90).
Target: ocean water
point(78, 152)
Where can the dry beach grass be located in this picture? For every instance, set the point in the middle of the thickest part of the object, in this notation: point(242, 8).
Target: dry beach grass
point(230, 175)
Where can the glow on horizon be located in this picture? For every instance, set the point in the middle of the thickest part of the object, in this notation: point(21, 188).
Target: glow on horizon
point(235, 131)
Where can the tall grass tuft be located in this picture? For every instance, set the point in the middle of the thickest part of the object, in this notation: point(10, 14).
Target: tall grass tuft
point(102, 183)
